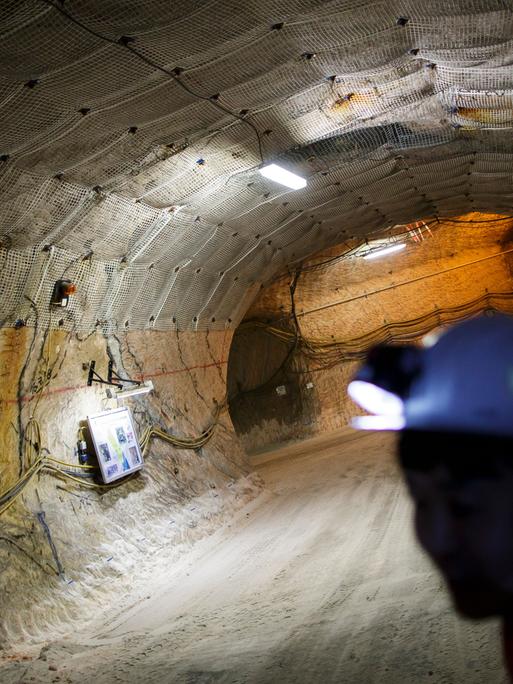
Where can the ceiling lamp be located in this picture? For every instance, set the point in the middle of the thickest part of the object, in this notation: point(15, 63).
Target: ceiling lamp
point(282, 176)
point(382, 252)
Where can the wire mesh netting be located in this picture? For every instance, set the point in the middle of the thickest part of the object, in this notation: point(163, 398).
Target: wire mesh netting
point(132, 134)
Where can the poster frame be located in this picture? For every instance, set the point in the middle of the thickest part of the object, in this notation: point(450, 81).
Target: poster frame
point(118, 418)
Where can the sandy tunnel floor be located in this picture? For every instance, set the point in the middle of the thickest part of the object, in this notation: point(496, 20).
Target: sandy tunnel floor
point(317, 580)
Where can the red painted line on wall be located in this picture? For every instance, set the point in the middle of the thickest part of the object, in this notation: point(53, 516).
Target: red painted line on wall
point(75, 388)
point(57, 390)
point(160, 373)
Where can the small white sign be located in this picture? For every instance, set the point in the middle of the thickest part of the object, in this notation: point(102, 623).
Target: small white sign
point(281, 390)
point(116, 443)
point(309, 385)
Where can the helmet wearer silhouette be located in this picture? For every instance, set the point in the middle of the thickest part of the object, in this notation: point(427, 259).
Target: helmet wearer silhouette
point(453, 404)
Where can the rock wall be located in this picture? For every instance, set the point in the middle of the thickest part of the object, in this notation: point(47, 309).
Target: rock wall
point(346, 299)
point(105, 542)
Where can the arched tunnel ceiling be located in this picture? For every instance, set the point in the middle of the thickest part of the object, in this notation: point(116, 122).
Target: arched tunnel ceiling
point(113, 174)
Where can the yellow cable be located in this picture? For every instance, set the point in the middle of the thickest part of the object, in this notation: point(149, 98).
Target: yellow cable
point(91, 485)
point(22, 481)
point(46, 358)
point(37, 463)
point(70, 465)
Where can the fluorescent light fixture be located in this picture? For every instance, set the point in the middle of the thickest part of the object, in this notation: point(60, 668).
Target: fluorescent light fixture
point(386, 250)
point(375, 399)
point(144, 388)
point(378, 423)
point(282, 176)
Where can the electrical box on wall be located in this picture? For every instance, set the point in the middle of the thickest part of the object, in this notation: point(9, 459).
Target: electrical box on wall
point(62, 291)
point(115, 443)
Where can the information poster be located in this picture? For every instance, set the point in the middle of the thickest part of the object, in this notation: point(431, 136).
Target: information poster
point(116, 443)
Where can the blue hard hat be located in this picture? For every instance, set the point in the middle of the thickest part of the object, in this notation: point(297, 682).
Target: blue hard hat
point(462, 383)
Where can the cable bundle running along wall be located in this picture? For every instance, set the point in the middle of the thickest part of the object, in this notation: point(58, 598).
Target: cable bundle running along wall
point(35, 463)
point(325, 353)
point(155, 432)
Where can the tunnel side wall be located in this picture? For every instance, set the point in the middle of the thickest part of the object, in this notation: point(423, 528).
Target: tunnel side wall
point(345, 300)
point(104, 541)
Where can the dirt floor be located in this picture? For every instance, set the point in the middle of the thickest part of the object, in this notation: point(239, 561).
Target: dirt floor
point(317, 580)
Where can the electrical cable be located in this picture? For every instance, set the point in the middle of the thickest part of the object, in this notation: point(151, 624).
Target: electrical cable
point(497, 220)
point(74, 478)
point(35, 463)
point(181, 442)
point(405, 331)
point(324, 353)
point(8, 497)
point(68, 465)
point(46, 358)
point(126, 42)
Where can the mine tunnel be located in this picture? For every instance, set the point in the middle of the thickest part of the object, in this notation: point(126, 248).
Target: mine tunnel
point(211, 210)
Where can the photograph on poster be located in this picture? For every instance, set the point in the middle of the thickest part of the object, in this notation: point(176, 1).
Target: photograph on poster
point(104, 450)
point(112, 470)
point(134, 455)
point(115, 442)
point(121, 435)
